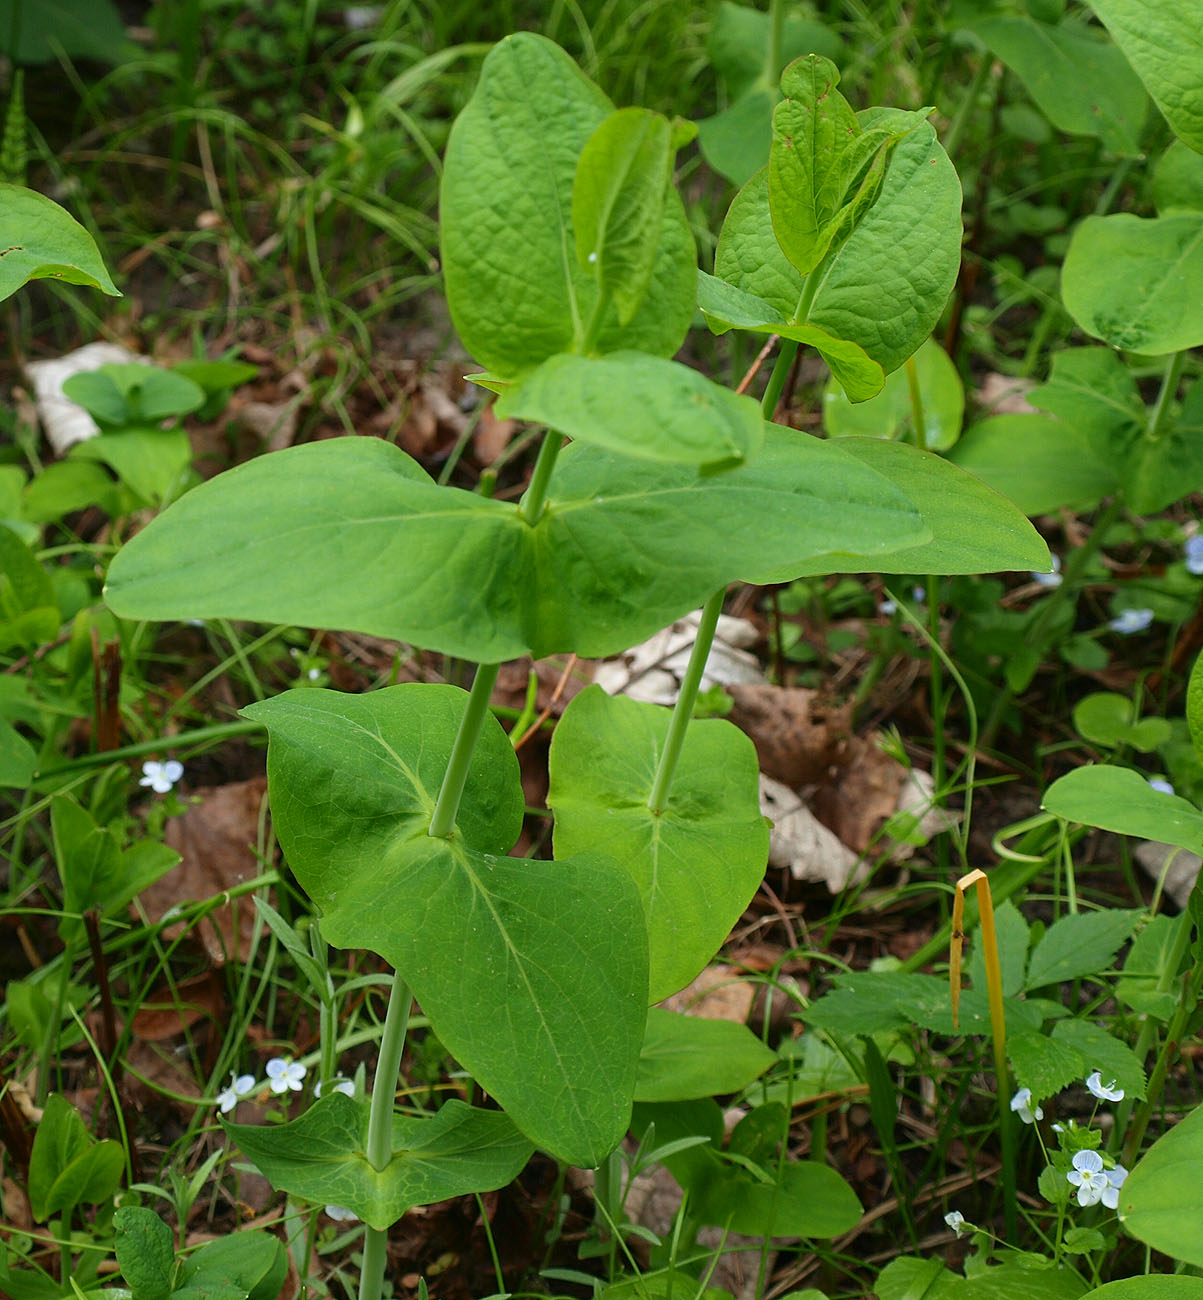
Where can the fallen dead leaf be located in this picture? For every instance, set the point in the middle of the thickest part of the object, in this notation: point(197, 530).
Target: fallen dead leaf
point(798, 736)
point(1005, 395)
point(169, 1011)
point(215, 840)
point(718, 993)
point(492, 436)
point(863, 796)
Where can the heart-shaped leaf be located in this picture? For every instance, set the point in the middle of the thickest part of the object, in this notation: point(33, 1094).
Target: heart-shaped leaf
point(320, 1156)
point(1120, 800)
point(534, 974)
point(1161, 1201)
point(699, 861)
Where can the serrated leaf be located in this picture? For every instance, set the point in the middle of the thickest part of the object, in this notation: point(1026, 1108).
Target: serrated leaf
point(641, 406)
point(533, 973)
point(685, 1057)
point(1080, 944)
point(1101, 1051)
point(320, 1156)
point(1043, 1064)
point(696, 863)
point(39, 240)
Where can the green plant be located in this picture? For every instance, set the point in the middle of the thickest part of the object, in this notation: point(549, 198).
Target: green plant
point(397, 809)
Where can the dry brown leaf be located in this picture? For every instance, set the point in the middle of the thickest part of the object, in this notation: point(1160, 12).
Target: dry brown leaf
point(863, 796)
point(798, 736)
point(169, 1011)
point(492, 436)
point(1005, 395)
point(215, 840)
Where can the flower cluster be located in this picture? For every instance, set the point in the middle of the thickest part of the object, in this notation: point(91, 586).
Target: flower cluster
point(1094, 1181)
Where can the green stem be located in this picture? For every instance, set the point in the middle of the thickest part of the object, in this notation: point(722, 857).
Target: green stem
point(773, 389)
point(442, 824)
point(772, 67)
point(917, 417)
point(683, 709)
point(1159, 415)
point(535, 497)
point(380, 1125)
point(967, 104)
point(186, 740)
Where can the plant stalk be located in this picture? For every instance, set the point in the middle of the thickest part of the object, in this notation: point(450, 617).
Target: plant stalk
point(535, 497)
point(380, 1124)
point(1159, 415)
point(683, 709)
point(442, 824)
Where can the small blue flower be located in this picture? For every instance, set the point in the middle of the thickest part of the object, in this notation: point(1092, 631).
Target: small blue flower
point(161, 776)
point(234, 1091)
point(1194, 554)
point(1103, 1091)
point(956, 1221)
point(1131, 621)
point(1161, 784)
point(1021, 1104)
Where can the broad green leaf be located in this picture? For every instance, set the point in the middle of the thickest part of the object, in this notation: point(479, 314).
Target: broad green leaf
point(891, 413)
point(736, 141)
point(1164, 44)
point(885, 288)
point(216, 376)
point(1194, 706)
point(812, 1200)
point(1105, 718)
point(69, 485)
point(825, 168)
point(515, 289)
point(275, 539)
point(641, 406)
point(738, 45)
point(67, 1168)
point(1044, 1064)
point(18, 760)
point(145, 1252)
point(320, 1156)
point(1152, 1286)
point(1168, 468)
point(89, 29)
point(1161, 1201)
point(699, 861)
point(1095, 395)
point(617, 198)
point(255, 1262)
point(88, 858)
point(24, 584)
point(1100, 1051)
point(974, 529)
point(685, 1057)
point(1137, 282)
point(153, 462)
point(533, 974)
point(1120, 800)
point(39, 240)
point(1080, 944)
point(911, 1278)
point(1082, 83)
point(726, 307)
point(1039, 463)
point(1148, 985)
point(1178, 180)
point(145, 394)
